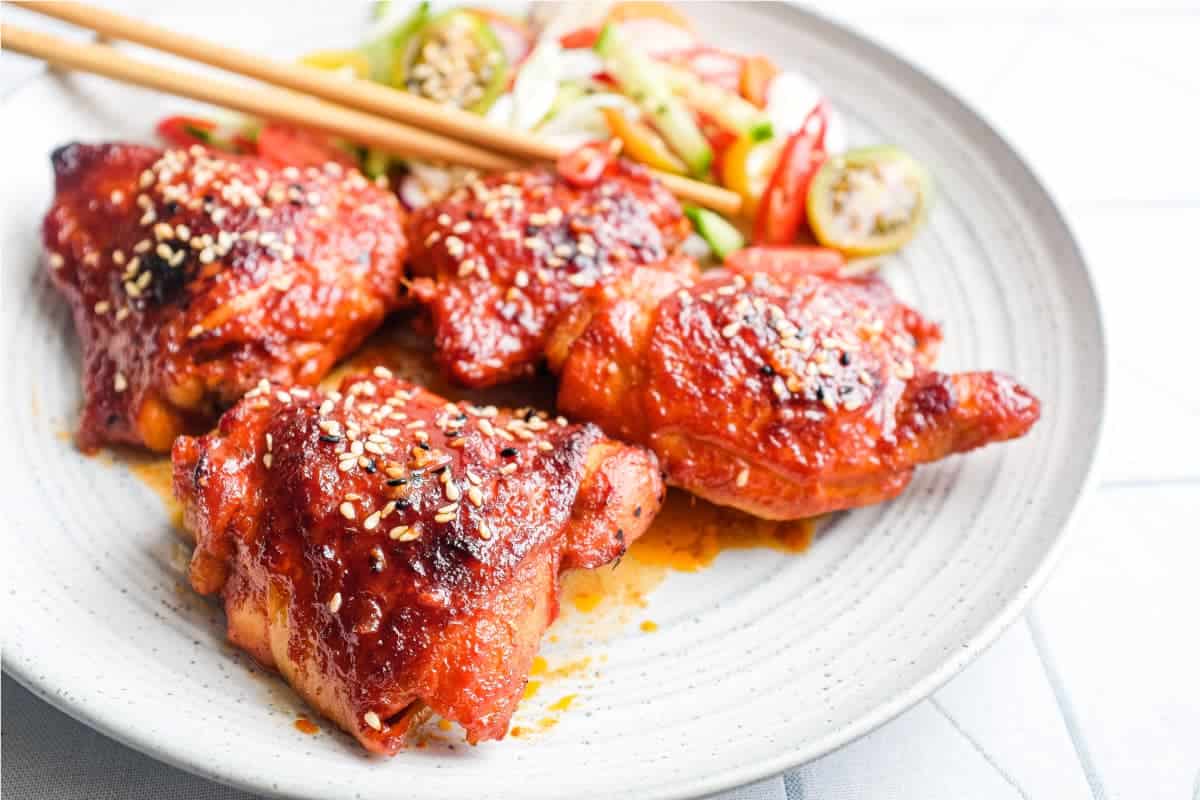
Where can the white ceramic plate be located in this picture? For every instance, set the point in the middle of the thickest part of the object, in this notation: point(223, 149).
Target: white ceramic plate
point(760, 663)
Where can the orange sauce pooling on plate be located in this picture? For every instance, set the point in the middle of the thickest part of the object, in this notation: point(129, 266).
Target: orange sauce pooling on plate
point(307, 726)
point(687, 535)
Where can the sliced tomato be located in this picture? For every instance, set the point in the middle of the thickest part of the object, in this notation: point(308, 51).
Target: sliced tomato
point(289, 146)
point(786, 263)
point(756, 77)
point(711, 65)
point(585, 165)
point(579, 39)
point(782, 210)
point(720, 139)
point(183, 131)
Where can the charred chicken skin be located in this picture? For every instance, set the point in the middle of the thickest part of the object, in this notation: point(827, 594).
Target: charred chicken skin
point(390, 552)
point(785, 396)
point(498, 260)
point(191, 275)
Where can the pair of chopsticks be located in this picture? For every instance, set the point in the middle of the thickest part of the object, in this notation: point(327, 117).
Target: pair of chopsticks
point(355, 109)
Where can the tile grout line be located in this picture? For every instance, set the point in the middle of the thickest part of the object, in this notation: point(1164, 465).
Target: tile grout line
point(1009, 779)
point(1065, 709)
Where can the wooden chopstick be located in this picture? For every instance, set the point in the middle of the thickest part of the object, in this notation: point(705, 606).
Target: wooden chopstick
point(275, 104)
point(362, 95)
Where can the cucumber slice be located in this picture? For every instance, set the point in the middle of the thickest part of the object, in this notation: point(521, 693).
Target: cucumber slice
point(640, 79)
point(731, 111)
point(720, 234)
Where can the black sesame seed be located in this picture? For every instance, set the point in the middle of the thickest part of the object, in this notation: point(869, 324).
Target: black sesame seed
point(397, 482)
point(423, 445)
point(845, 359)
point(820, 392)
point(330, 437)
point(766, 369)
point(370, 466)
point(508, 452)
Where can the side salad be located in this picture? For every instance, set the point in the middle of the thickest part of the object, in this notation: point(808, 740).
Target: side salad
point(578, 73)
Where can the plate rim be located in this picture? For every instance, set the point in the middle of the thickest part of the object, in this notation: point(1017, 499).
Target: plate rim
point(1008, 613)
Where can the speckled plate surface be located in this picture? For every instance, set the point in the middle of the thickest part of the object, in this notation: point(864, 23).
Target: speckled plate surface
point(759, 663)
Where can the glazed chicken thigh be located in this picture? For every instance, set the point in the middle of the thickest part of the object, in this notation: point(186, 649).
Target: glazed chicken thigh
point(191, 275)
point(499, 259)
point(785, 396)
point(390, 552)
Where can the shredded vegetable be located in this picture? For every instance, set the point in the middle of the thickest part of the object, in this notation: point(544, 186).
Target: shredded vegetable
point(587, 71)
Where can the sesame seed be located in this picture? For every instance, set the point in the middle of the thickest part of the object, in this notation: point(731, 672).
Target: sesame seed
point(347, 510)
point(267, 459)
point(122, 313)
point(56, 261)
point(372, 719)
point(102, 307)
point(443, 518)
point(743, 477)
point(371, 522)
point(283, 397)
point(475, 496)
point(485, 532)
point(118, 257)
point(452, 491)
point(545, 446)
point(120, 384)
point(730, 330)
point(449, 508)
point(508, 469)
point(403, 533)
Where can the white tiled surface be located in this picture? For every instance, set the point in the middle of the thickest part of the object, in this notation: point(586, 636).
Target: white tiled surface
point(1095, 692)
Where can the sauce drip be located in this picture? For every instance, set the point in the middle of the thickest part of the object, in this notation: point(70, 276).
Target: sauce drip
point(306, 726)
point(687, 535)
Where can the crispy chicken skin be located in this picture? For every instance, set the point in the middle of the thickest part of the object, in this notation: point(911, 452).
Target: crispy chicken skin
point(783, 396)
point(191, 275)
point(390, 552)
point(499, 259)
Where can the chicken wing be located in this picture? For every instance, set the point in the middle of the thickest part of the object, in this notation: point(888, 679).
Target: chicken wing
point(388, 551)
point(191, 275)
point(498, 260)
point(785, 398)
